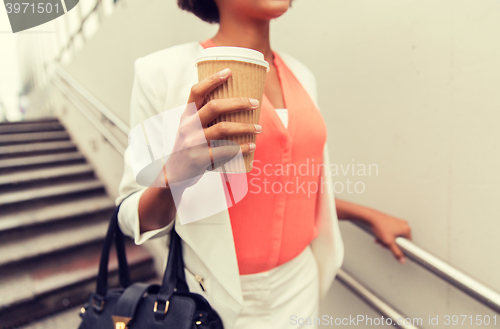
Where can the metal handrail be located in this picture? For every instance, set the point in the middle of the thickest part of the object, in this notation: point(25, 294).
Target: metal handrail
point(479, 291)
point(398, 319)
point(69, 44)
point(107, 113)
point(91, 118)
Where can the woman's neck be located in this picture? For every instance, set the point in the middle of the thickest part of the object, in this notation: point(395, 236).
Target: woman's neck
point(236, 32)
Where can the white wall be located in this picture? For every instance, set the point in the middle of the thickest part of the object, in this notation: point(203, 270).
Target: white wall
point(411, 86)
point(9, 77)
point(137, 28)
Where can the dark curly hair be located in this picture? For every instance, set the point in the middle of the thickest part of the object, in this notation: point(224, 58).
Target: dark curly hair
point(206, 10)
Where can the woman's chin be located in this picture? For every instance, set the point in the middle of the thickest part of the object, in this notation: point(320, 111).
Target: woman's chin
point(276, 8)
point(275, 12)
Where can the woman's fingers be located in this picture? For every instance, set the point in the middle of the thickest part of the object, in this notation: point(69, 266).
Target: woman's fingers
point(408, 233)
point(204, 87)
point(227, 152)
point(216, 107)
point(225, 129)
point(224, 154)
point(247, 148)
point(397, 252)
point(193, 161)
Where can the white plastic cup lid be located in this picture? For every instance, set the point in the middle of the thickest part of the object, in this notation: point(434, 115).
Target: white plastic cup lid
point(234, 54)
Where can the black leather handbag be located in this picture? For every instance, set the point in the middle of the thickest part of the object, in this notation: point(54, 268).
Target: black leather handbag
point(141, 305)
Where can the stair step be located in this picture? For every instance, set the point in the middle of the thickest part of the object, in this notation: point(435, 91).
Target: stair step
point(68, 318)
point(39, 120)
point(45, 289)
point(50, 192)
point(8, 139)
point(31, 127)
point(41, 160)
point(50, 242)
point(53, 213)
point(23, 149)
point(44, 174)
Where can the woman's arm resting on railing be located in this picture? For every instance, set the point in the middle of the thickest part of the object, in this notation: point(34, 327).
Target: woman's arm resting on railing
point(386, 228)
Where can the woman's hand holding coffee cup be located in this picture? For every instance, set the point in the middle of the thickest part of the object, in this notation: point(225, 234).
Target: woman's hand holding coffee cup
point(211, 110)
point(192, 155)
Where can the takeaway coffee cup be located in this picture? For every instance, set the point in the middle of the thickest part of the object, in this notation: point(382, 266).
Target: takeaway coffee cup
point(248, 76)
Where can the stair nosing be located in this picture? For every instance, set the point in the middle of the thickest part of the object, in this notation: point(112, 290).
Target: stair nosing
point(40, 120)
point(50, 192)
point(44, 174)
point(20, 138)
point(31, 127)
point(40, 160)
point(12, 222)
point(8, 258)
point(34, 147)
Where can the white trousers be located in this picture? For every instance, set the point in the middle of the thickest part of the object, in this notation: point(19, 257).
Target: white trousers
point(281, 297)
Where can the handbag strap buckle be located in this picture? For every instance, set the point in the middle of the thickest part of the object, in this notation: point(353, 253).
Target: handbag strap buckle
point(155, 308)
point(97, 303)
point(159, 314)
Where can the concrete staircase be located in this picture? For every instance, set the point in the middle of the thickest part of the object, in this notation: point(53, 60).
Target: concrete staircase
point(53, 217)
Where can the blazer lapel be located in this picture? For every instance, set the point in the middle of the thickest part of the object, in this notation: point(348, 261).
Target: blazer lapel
point(212, 240)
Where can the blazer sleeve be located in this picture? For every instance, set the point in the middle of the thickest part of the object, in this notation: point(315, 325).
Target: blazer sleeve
point(143, 104)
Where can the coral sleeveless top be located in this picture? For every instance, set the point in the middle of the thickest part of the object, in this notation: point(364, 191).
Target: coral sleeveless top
point(275, 221)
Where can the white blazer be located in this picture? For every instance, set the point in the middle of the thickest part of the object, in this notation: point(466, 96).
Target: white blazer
point(163, 81)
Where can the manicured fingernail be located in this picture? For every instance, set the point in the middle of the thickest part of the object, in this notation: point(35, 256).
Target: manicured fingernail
point(258, 128)
point(402, 260)
point(254, 102)
point(252, 147)
point(224, 73)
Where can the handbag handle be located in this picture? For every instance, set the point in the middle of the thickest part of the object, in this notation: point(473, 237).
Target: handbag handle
point(173, 277)
point(123, 270)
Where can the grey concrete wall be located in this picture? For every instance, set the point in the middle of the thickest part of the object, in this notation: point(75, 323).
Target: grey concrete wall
point(411, 86)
